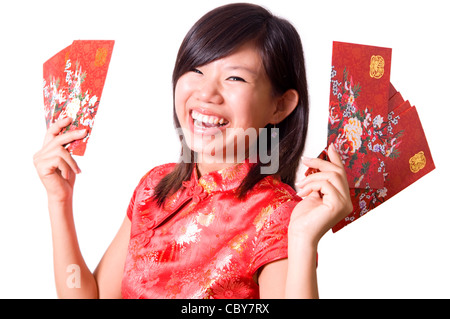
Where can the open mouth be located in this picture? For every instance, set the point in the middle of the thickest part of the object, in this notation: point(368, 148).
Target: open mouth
point(203, 121)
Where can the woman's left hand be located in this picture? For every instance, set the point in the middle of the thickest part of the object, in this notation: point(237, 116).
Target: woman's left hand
point(326, 199)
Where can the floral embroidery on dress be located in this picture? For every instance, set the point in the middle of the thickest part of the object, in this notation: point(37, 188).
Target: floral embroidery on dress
point(205, 244)
point(230, 290)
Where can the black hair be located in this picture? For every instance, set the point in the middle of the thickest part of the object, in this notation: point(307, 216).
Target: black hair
point(218, 34)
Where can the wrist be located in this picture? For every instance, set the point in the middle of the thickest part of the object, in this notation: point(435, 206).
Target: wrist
point(301, 279)
point(59, 207)
point(303, 240)
point(301, 245)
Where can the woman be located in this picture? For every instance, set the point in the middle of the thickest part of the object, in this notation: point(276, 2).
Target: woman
point(215, 226)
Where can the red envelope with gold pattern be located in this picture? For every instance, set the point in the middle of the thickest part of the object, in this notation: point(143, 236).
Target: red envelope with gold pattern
point(409, 159)
point(73, 83)
point(388, 150)
point(360, 84)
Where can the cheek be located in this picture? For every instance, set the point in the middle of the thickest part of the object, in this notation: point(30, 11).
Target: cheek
point(255, 112)
point(180, 98)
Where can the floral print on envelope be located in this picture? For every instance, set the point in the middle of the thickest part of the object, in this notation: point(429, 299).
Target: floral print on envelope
point(73, 84)
point(358, 133)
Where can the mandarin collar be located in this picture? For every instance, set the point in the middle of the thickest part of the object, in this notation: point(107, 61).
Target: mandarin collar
point(197, 189)
point(223, 180)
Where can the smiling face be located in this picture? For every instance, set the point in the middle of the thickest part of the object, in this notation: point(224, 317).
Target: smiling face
point(218, 101)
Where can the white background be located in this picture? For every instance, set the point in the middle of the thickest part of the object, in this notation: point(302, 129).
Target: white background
point(399, 250)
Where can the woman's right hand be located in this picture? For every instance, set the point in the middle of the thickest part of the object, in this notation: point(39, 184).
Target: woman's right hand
point(55, 166)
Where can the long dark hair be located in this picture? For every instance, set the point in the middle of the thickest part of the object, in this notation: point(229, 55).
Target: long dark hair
point(218, 34)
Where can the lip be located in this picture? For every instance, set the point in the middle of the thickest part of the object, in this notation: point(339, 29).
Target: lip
point(205, 130)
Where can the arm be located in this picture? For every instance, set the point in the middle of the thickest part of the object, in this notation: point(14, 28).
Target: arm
point(326, 200)
point(66, 254)
point(293, 277)
point(106, 280)
point(57, 170)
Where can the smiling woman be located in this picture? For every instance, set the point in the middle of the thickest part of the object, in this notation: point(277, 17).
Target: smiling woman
point(230, 229)
point(266, 53)
point(226, 98)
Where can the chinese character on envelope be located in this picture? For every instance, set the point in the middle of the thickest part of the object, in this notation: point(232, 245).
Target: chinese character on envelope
point(378, 135)
point(73, 85)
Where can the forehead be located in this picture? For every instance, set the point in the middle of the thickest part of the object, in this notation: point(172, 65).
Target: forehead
point(246, 58)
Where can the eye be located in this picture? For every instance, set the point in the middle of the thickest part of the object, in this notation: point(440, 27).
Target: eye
point(196, 71)
point(236, 78)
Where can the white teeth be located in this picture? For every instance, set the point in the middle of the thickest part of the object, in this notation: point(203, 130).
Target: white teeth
point(208, 119)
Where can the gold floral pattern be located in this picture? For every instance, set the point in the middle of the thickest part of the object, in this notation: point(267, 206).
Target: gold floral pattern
point(417, 162)
point(205, 246)
point(376, 66)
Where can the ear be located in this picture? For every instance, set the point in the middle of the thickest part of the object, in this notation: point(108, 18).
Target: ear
point(285, 105)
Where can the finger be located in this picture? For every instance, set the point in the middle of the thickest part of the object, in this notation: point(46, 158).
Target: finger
point(49, 166)
point(337, 179)
point(65, 155)
point(65, 169)
point(311, 194)
point(334, 156)
point(68, 137)
point(60, 152)
point(319, 187)
point(313, 189)
point(68, 174)
point(70, 161)
point(320, 164)
point(56, 128)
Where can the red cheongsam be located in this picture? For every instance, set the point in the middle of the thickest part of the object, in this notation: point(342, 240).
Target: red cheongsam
point(205, 242)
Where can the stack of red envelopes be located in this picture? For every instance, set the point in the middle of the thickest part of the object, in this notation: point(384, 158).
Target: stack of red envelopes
point(377, 133)
point(73, 85)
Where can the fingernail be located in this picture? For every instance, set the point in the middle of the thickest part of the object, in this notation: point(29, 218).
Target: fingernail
point(304, 158)
point(300, 192)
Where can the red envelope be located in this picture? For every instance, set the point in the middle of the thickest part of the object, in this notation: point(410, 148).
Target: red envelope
point(55, 88)
point(392, 152)
point(73, 83)
point(395, 99)
point(360, 86)
point(412, 161)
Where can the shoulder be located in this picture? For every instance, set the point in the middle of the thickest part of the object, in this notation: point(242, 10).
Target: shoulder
point(142, 196)
point(275, 190)
point(155, 175)
point(276, 200)
point(148, 182)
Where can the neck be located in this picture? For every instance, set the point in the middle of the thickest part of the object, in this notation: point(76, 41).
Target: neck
point(208, 163)
point(205, 168)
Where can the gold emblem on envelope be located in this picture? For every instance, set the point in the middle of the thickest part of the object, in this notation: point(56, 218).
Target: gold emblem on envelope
point(376, 66)
point(417, 162)
point(100, 56)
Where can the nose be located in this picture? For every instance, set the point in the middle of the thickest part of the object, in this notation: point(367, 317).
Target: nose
point(209, 91)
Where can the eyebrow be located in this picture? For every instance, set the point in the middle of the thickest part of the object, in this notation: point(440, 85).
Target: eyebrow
point(241, 67)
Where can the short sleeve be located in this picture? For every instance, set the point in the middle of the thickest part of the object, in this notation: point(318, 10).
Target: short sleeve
point(146, 185)
point(272, 239)
point(136, 192)
point(131, 206)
